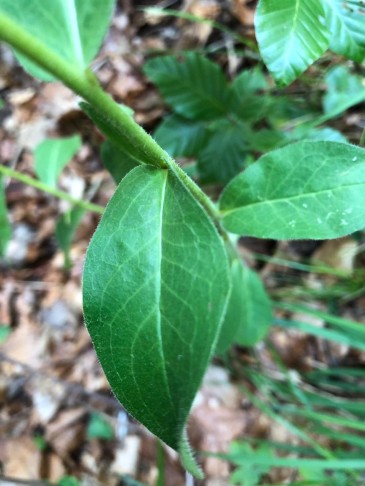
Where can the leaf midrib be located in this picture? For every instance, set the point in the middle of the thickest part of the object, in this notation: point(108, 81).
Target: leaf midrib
point(292, 34)
point(71, 22)
point(336, 12)
point(225, 213)
point(159, 288)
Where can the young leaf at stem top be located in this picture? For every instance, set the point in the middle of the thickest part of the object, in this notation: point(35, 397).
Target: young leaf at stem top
point(155, 287)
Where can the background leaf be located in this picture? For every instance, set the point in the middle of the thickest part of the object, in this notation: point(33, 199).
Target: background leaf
point(247, 474)
point(326, 133)
point(99, 428)
point(117, 161)
point(343, 89)
point(74, 29)
point(345, 21)
point(181, 137)
point(249, 314)
point(304, 190)
point(266, 139)
point(256, 319)
point(224, 154)
point(192, 85)
point(291, 36)
point(52, 155)
point(65, 231)
point(4, 333)
point(245, 97)
point(155, 287)
point(5, 228)
point(234, 314)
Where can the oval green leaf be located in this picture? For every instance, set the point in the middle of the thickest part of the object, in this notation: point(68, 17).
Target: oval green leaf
point(291, 35)
point(305, 190)
point(233, 318)
point(155, 287)
point(74, 29)
point(249, 311)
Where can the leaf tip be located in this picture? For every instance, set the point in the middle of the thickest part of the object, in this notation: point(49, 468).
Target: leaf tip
point(187, 459)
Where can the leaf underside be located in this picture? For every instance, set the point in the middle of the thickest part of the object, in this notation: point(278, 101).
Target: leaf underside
point(73, 29)
point(305, 190)
point(291, 36)
point(345, 21)
point(155, 287)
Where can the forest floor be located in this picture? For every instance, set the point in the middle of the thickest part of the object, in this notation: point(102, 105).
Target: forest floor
point(57, 415)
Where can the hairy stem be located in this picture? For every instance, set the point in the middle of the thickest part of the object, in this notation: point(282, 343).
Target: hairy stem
point(85, 84)
point(50, 190)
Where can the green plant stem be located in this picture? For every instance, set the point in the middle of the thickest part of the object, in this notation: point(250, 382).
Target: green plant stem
point(95, 208)
point(81, 82)
point(85, 84)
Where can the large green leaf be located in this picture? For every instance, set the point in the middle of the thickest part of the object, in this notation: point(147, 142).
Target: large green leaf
point(249, 312)
point(224, 154)
point(304, 190)
point(74, 29)
point(192, 85)
point(181, 137)
point(155, 287)
point(291, 36)
point(5, 228)
point(52, 155)
point(346, 23)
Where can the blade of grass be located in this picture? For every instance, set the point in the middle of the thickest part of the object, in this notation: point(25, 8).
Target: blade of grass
point(322, 333)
